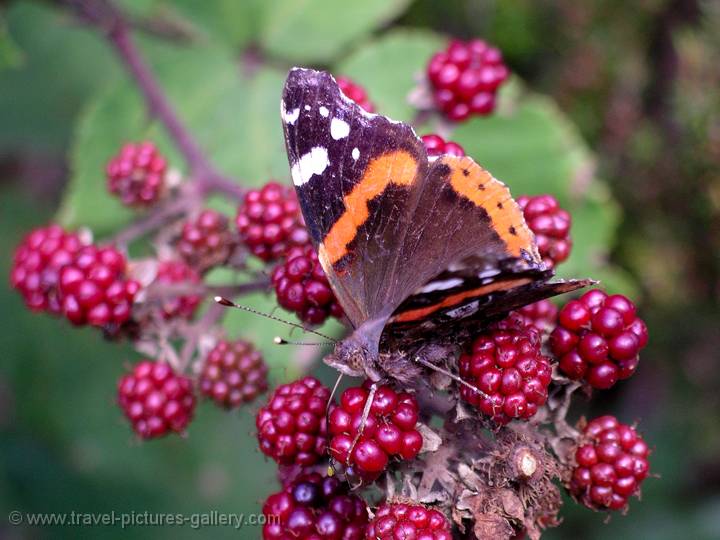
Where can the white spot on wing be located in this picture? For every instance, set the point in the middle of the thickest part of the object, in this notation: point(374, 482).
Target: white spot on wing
point(310, 164)
point(441, 285)
point(324, 111)
point(356, 153)
point(289, 117)
point(308, 107)
point(339, 129)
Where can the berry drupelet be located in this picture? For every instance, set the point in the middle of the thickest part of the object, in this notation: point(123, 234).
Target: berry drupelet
point(315, 508)
point(355, 92)
point(400, 520)
point(270, 221)
point(598, 338)
point(37, 262)
point(233, 373)
point(437, 146)
point(301, 286)
point(541, 315)
point(206, 240)
point(137, 174)
point(551, 226)
point(611, 463)
point(175, 272)
point(388, 431)
point(156, 400)
point(465, 78)
point(94, 288)
point(291, 428)
point(506, 364)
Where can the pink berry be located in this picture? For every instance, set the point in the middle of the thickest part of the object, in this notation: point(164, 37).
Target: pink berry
point(551, 225)
point(137, 174)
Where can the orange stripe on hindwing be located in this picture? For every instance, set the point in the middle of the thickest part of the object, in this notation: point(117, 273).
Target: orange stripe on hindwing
point(399, 168)
point(455, 299)
point(473, 182)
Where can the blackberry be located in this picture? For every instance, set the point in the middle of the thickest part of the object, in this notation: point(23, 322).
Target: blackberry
point(541, 315)
point(400, 520)
point(551, 225)
point(233, 373)
point(37, 262)
point(94, 288)
point(388, 431)
point(137, 174)
point(292, 428)
point(465, 78)
point(172, 272)
point(506, 364)
point(355, 92)
point(156, 400)
point(314, 508)
point(598, 338)
point(301, 286)
point(611, 463)
point(270, 221)
point(437, 146)
point(206, 240)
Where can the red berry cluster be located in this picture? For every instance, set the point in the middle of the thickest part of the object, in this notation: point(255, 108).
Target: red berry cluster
point(506, 364)
point(437, 146)
point(270, 221)
point(541, 315)
point(315, 508)
point(37, 263)
point(94, 289)
point(598, 338)
point(301, 286)
point(233, 373)
point(465, 78)
point(551, 225)
point(175, 272)
point(355, 92)
point(366, 444)
point(206, 240)
point(292, 427)
point(399, 520)
point(137, 174)
point(155, 400)
point(611, 465)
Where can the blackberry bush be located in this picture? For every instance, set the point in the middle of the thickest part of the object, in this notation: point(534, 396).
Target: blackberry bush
point(136, 175)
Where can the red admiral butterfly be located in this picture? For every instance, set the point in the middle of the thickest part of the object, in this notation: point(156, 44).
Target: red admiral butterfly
point(412, 246)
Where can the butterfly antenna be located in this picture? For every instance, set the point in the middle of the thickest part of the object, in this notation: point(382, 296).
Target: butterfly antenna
point(229, 303)
point(450, 374)
point(332, 393)
point(282, 341)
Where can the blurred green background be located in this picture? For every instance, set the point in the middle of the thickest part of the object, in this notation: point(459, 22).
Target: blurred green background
point(615, 109)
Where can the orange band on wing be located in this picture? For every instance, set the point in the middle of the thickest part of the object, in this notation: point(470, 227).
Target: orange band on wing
point(399, 168)
point(473, 182)
point(455, 299)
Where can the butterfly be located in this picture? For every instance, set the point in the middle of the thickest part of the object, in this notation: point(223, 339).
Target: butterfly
point(414, 248)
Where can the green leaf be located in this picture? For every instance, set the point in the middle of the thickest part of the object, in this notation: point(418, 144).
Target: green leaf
point(317, 31)
point(11, 56)
point(234, 118)
point(390, 67)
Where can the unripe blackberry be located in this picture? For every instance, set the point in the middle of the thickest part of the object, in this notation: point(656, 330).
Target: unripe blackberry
point(611, 463)
point(388, 431)
point(37, 262)
point(355, 92)
point(437, 146)
point(598, 338)
point(314, 508)
point(292, 428)
point(506, 364)
point(94, 289)
point(206, 240)
point(541, 315)
point(172, 272)
point(301, 286)
point(465, 78)
point(137, 174)
point(400, 520)
point(270, 221)
point(551, 225)
point(233, 373)
point(156, 400)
